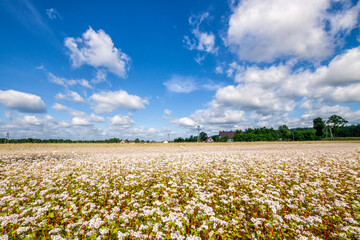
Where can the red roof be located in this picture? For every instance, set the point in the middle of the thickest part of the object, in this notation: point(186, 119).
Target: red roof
point(229, 134)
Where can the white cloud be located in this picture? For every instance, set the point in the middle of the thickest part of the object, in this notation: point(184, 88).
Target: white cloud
point(345, 20)
point(32, 120)
point(70, 111)
point(219, 116)
point(187, 84)
point(53, 14)
point(95, 118)
point(219, 70)
point(26, 126)
point(267, 77)
point(23, 102)
point(67, 82)
point(167, 112)
point(97, 49)
point(252, 97)
point(213, 119)
point(123, 121)
point(47, 127)
point(233, 68)
point(335, 82)
point(84, 83)
point(70, 95)
point(345, 94)
point(202, 41)
point(181, 84)
point(343, 69)
point(184, 122)
point(275, 88)
point(79, 114)
point(143, 133)
point(105, 102)
point(78, 121)
point(100, 76)
point(268, 30)
point(325, 111)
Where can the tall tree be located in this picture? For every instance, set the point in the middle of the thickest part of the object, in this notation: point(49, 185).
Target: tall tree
point(336, 123)
point(318, 125)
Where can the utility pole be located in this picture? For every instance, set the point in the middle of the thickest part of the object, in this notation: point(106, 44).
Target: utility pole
point(168, 137)
point(198, 137)
point(7, 138)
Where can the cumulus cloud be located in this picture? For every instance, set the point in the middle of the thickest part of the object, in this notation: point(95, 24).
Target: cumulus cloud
point(336, 82)
point(122, 121)
point(343, 69)
point(214, 118)
point(184, 122)
point(324, 111)
point(26, 126)
point(70, 111)
point(219, 116)
point(345, 94)
point(277, 87)
point(268, 30)
point(97, 49)
point(22, 102)
point(267, 77)
point(70, 95)
point(110, 101)
point(78, 121)
point(252, 97)
point(32, 120)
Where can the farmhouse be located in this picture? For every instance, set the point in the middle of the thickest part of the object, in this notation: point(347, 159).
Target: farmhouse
point(209, 140)
point(230, 134)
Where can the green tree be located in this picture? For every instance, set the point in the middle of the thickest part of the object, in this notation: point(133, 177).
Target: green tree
point(216, 138)
point(137, 140)
point(284, 132)
point(203, 136)
point(336, 123)
point(224, 139)
point(318, 125)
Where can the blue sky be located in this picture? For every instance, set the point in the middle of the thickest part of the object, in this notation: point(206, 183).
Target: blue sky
point(148, 69)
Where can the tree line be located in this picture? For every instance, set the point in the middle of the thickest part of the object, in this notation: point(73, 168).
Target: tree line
point(332, 128)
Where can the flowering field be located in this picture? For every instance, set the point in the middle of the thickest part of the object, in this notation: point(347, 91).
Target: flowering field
point(260, 191)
